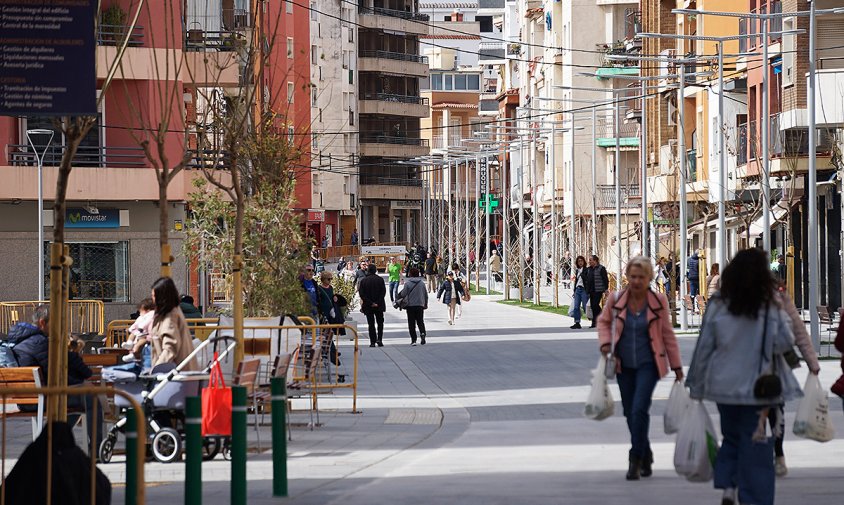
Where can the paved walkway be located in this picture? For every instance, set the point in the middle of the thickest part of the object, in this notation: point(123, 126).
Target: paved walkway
point(489, 412)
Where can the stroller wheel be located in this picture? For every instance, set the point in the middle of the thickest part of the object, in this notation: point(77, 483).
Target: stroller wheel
point(106, 450)
point(167, 445)
point(210, 447)
point(227, 449)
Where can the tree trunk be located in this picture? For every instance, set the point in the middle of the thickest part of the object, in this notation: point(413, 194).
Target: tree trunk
point(237, 267)
point(163, 224)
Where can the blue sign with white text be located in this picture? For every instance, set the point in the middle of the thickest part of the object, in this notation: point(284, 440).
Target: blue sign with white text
point(81, 218)
point(47, 55)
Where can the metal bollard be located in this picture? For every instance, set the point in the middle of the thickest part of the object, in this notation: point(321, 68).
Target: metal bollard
point(193, 451)
point(278, 390)
point(131, 457)
point(238, 468)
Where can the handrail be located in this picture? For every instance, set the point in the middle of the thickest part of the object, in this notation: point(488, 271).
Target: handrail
point(21, 155)
point(391, 55)
point(111, 35)
point(385, 139)
point(391, 97)
point(381, 11)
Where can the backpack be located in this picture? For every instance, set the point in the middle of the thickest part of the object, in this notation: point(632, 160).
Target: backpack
point(8, 359)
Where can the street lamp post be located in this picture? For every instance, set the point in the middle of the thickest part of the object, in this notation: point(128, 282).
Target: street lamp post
point(40, 160)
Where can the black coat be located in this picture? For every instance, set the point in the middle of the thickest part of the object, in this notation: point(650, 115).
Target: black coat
point(597, 280)
point(71, 472)
point(372, 291)
point(32, 348)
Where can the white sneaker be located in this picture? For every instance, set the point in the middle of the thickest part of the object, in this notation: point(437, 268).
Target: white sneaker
point(129, 358)
point(127, 344)
point(779, 467)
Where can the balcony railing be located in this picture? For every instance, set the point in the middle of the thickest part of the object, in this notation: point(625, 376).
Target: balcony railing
point(606, 129)
point(389, 97)
point(605, 196)
point(21, 155)
point(492, 51)
point(614, 49)
point(380, 11)
point(390, 181)
point(209, 159)
point(112, 35)
point(394, 56)
point(387, 139)
point(201, 40)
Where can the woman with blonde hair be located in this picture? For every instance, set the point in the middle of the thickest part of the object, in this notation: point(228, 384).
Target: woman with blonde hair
point(635, 326)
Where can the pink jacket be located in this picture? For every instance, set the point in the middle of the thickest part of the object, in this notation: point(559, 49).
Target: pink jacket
point(663, 340)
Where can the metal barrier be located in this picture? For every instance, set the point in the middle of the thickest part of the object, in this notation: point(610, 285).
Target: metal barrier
point(118, 330)
point(135, 455)
point(86, 316)
point(266, 342)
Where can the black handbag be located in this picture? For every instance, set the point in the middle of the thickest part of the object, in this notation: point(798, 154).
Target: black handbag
point(768, 385)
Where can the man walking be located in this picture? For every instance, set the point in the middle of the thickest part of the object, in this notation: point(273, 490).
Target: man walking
point(394, 276)
point(597, 283)
point(417, 302)
point(372, 292)
point(693, 274)
point(431, 272)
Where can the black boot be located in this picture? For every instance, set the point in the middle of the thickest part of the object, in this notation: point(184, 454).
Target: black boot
point(647, 465)
point(634, 468)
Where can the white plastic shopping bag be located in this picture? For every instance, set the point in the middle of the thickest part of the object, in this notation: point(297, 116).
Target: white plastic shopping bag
point(599, 404)
point(675, 409)
point(812, 420)
point(697, 445)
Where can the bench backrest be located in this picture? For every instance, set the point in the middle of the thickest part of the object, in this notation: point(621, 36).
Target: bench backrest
point(20, 377)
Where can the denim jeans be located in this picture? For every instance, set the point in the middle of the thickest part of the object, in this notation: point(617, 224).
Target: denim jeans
point(394, 290)
point(693, 287)
point(637, 387)
point(741, 462)
point(579, 301)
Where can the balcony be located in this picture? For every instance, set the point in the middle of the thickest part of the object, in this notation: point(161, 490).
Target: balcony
point(215, 32)
point(492, 52)
point(392, 147)
point(390, 188)
point(605, 196)
point(628, 134)
point(21, 155)
point(112, 35)
point(394, 105)
point(393, 63)
point(379, 18)
point(370, 180)
point(608, 67)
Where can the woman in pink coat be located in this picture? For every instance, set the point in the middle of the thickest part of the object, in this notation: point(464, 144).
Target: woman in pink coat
point(637, 330)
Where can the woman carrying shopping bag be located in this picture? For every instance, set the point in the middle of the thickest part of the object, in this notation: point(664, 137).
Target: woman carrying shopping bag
point(637, 331)
point(738, 364)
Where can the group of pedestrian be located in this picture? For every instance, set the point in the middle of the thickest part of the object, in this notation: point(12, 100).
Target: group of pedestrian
point(590, 283)
point(748, 329)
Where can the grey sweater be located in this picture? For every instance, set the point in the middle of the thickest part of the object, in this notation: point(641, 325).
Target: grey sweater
point(414, 290)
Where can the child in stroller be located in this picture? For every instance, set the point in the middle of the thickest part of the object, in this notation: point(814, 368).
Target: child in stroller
point(162, 394)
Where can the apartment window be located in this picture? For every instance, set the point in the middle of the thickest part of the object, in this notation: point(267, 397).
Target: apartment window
point(314, 96)
point(315, 141)
point(474, 82)
point(351, 34)
point(100, 270)
point(90, 152)
point(289, 92)
point(455, 82)
point(314, 54)
point(448, 81)
point(789, 44)
point(436, 82)
point(315, 181)
point(314, 13)
point(289, 47)
point(460, 81)
point(291, 133)
point(345, 184)
point(485, 23)
point(351, 117)
point(289, 6)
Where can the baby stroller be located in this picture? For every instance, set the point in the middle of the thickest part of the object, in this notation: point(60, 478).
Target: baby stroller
point(162, 393)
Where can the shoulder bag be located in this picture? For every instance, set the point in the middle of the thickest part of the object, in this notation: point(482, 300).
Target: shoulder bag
point(402, 302)
point(768, 385)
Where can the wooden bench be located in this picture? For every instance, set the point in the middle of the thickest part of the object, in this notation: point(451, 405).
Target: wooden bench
point(23, 377)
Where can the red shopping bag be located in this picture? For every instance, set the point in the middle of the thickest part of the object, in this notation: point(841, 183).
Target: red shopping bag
point(216, 404)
